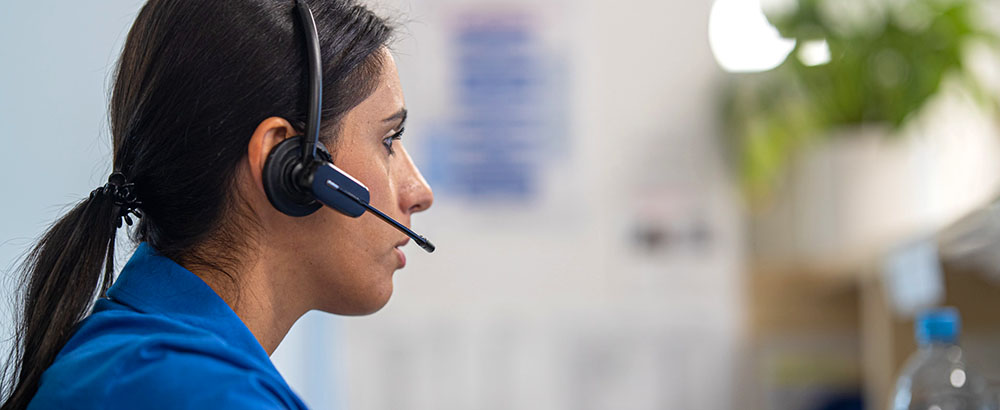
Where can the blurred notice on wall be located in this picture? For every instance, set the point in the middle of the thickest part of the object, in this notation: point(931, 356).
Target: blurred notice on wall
point(506, 115)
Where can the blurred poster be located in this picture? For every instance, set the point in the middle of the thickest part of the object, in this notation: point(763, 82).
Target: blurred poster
point(505, 115)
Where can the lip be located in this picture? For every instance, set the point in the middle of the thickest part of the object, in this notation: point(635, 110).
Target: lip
point(400, 254)
point(402, 257)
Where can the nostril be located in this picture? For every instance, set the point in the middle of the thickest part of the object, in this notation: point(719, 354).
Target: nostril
point(423, 204)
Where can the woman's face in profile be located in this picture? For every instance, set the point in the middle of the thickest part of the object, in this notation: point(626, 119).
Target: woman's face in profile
point(351, 261)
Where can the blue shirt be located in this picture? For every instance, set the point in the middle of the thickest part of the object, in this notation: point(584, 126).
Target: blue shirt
point(163, 339)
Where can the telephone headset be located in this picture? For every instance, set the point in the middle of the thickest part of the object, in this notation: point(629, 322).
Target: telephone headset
point(299, 176)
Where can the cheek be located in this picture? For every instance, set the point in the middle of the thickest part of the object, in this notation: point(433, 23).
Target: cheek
point(377, 176)
point(348, 271)
point(368, 163)
point(353, 262)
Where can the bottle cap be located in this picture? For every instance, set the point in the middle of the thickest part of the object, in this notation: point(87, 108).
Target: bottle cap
point(940, 325)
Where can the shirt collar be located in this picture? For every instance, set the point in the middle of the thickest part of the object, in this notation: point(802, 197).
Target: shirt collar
point(152, 283)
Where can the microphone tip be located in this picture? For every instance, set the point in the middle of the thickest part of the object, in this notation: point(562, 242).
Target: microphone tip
point(426, 245)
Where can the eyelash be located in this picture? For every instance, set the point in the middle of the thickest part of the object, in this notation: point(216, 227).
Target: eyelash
point(387, 142)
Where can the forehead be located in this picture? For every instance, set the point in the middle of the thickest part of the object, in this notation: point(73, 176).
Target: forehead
point(387, 98)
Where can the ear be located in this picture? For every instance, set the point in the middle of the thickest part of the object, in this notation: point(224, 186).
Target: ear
point(268, 134)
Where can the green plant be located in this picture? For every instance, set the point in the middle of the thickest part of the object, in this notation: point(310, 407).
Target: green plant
point(887, 59)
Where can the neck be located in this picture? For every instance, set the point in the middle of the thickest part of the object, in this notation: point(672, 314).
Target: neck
point(267, 305)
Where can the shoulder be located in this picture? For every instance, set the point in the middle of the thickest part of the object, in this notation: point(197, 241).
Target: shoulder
point(125, 359)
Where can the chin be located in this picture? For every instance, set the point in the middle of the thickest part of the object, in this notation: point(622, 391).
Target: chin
point(364, 302)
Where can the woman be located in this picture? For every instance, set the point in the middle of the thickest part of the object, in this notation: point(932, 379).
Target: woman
point(204, 93)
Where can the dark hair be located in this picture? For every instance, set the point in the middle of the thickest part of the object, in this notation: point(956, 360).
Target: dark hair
point(194, 80)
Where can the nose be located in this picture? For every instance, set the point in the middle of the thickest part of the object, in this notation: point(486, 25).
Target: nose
point(415, 194)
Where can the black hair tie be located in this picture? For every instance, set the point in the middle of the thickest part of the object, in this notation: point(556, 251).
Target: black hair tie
point(124, 196)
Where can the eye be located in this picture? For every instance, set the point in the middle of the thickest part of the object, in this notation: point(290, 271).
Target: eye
point(387, 142)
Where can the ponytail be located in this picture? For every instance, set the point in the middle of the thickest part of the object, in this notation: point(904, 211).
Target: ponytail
point(70, 266)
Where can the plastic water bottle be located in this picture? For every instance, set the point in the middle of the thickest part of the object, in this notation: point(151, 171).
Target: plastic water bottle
point(936, 377)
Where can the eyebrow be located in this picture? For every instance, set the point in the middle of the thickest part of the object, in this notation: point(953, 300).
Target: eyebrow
point(398, 116)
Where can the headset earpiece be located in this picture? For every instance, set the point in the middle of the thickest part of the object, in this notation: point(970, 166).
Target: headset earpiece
point(281, 169)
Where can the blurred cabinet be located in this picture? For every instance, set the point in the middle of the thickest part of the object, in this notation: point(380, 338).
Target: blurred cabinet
point(888, 338)
point(804, 350)
point(820, 341)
